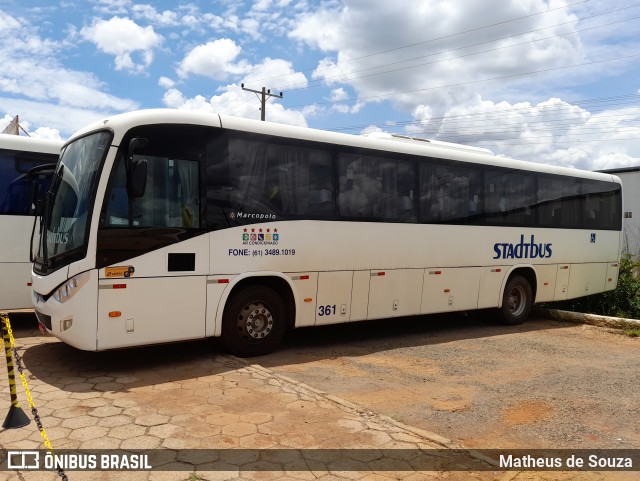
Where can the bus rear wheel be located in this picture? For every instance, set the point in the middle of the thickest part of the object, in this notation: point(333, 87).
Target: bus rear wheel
point(517, 301)
point(253, 323)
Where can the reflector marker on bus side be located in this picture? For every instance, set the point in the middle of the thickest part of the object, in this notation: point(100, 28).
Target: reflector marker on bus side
point(564, 267)
point(115, 314)
point(300, 278)
point(496, 270)
point(435, 273)
point(112, 286)
point(308, 299)
point(447, 290)
point(218, 281)
point(377, 274)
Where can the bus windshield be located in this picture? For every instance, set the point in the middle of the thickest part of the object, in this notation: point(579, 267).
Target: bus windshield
point(70, 201)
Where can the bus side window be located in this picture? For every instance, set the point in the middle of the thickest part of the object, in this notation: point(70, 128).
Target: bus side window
point(171, 197)
point(320, 188)
point(376, 188)
point(116, 210)
point(449, 193)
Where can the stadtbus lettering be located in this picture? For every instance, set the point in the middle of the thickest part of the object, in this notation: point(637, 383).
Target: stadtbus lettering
point(522, 250)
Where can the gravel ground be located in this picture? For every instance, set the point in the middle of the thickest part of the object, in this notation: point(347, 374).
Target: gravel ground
point(544, 384)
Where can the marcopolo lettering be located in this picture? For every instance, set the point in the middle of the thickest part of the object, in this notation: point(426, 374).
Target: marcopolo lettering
point(522, 250)
point(245, 215)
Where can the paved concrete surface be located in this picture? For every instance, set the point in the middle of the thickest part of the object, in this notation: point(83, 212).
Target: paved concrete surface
point(190, 396)
point(541, 384)
point(607, 322)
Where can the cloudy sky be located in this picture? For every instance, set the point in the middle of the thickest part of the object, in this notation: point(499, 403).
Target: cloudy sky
point(552, 81)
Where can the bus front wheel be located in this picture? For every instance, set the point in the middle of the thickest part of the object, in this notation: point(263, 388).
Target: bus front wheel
point(517, 301)
point(253, 323)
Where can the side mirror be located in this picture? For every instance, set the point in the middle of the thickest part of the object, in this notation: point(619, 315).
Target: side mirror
point(135, 144)
point(138, 177)
point(136, 170)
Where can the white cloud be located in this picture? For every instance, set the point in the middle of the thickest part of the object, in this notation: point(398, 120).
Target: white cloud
point(35, 85)
point(338, 94)
point(214, 60)
point(122, 37)
point(112, 7)
point(166, 82)
point(441, 67)
point(46, 133)
point(149, 13)
point(8, 22)
point(275, 71)
point(175, 99)
point(51, 115)
point(552, 132)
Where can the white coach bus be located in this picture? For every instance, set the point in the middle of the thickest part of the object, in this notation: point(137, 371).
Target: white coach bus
point(26, 166)
point(168, 225)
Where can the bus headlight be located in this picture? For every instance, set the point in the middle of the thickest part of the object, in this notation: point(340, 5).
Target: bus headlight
point(67, 290)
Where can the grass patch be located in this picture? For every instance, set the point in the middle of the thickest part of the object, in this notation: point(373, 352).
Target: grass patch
point(632, 332)
point(194, 477)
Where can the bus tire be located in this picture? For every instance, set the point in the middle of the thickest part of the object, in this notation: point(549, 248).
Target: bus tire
point(253, 323)
point(517, 301)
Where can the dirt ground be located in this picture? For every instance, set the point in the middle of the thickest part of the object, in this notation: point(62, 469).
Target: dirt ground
point(544, 384)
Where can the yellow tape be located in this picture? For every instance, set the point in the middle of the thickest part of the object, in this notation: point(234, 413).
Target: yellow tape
point(25, 384)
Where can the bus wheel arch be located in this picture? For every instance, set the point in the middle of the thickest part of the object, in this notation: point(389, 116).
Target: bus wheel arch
point(258, 312)
point(518, 296)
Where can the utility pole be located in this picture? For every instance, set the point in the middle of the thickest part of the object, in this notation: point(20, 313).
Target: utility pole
point(264, 93)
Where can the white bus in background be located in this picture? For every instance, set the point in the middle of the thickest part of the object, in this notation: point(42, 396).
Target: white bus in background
point(168, 225)
point(26, 166)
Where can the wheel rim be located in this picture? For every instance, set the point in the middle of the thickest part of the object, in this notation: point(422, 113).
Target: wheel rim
point(517, 301)
point(255, 321)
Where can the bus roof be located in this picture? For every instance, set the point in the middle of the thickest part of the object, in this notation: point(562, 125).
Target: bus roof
point(121, 123)
point(30, 144)
point(439, 143)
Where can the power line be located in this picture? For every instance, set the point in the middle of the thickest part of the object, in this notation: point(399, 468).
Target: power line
point(470, 82)
point(345, 76)
point(476, 53)
point(437, 38)
point(503, 113)
point(292, 86)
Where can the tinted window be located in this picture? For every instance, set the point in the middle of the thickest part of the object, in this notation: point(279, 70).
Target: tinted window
point(171, 197)
point(376, 188)
point(602, 204)
point(510, 197)
point(254, 180)
point(450, 192)
point(559, 202)
point(172, 191)
point(21, 184)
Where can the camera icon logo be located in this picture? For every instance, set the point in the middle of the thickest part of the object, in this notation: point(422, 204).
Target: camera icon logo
point(23, 460)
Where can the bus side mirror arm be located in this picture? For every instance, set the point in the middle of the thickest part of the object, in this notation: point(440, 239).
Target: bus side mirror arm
point(136, 170)
point(138, 178)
